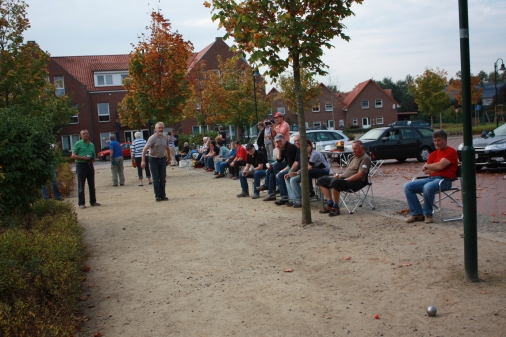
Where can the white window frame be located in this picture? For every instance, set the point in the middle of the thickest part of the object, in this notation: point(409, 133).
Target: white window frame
point(74, 117)
point(306, 124)
point(317, 124)
point(200, 128)
point(365, 104)
point(329, 107)
point(123, 76)
point(330, 124)
point(378, 103)
point(379, 120)
point(368, 121)
point(109, 78)
point(315, 107)
point(341, 123)
point(59, 83)
point(280, 109)
point(102, 114)
point(355, 121)
point(70, 141)
point(270, 112)
point(105, 140)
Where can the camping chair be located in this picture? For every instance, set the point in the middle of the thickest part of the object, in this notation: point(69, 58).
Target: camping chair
point(376, 166)
point(187, 160)
point(357, 198)
point(446, 194)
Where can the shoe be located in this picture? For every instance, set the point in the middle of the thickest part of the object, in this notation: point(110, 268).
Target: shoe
point(216, 173)
point(242, 195)
point(159, 199)
point(219, 176)
point(327, 209)
point(82, 206)
point(121, 184)
point(140, 185)
point(290, 204)
point(313, 196)
point(115, 185)
point(335, 212)
point(297, 205)
point(255, 196)
point(281, 202)
point(165, 199)
point(95, 204)
point(235, 178)
point(276, 191)
point(270, 198)
point(209, 170)
point(414, 218)
point(150, 182)
point(262, 188)
point(428, 219)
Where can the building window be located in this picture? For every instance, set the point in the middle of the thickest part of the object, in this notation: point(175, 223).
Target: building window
point(60, 85)
point(306, 124)
point(329, 107)
point(281, 109)
point(68, 142)
point(341, 123)
point(317, 124)
point(378, 103)
point(270, 112)
point(355, 122)
point(365, 122)
point(74, 119)
point(104, 140)
point(316, 108)
point(103, 112)
point(110, 78)
point(365, 104)
point(379, 120)
point(197, 129)
point(330, 124)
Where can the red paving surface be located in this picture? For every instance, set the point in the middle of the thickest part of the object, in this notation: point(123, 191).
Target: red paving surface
point(490, 192)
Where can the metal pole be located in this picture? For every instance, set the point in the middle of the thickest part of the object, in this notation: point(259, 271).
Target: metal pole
point(495, 98)
point(468, 159)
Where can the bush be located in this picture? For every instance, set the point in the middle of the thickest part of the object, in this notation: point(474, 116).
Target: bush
point(41, 257)
point(65, 180)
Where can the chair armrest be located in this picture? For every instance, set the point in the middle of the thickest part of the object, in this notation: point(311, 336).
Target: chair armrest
point(416, 178)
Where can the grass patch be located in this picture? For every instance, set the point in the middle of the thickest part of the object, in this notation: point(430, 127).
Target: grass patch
point(41, 256)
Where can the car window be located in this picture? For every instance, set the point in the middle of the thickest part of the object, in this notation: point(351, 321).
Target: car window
point(425, 132)
point(500, 131)
point(372, 134)
point(393, 134)
point(323, 136)
point(311, 136)
point(126, 146)
point(408, 133)
point(335, 136)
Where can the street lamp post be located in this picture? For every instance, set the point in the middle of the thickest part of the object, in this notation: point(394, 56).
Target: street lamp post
point(255, 75)
point(495, 84)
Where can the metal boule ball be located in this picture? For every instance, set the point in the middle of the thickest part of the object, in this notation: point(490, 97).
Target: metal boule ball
point(431, 310)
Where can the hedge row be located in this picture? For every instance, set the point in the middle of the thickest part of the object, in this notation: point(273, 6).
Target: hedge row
point(41, 257)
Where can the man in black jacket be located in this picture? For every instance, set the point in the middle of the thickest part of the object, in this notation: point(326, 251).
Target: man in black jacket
point(260, 138)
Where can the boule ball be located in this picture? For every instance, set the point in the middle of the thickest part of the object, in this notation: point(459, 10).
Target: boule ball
point(431, 310)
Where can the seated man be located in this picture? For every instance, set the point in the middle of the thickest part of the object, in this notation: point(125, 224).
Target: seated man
point(240, 160)
point(354, 178)
point(223, 154)
point(442, 163)
point(209, 158)
point(255, 168)
point(183, 153)
point(221, 166)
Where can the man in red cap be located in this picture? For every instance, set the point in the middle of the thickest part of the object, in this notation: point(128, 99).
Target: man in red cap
point(282, 127)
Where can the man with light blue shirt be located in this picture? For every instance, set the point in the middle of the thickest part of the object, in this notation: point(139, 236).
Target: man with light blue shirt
point(116, 155)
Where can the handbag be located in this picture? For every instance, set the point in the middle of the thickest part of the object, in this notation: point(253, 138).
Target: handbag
point(134, 164)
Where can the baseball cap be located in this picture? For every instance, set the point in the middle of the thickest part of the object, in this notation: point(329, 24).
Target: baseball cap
point(279, 114)
point(279, 137)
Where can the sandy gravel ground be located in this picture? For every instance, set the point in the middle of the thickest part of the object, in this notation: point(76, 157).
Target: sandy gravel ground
point(206, 263)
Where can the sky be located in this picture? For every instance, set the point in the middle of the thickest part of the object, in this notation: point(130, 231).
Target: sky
point(389, 38)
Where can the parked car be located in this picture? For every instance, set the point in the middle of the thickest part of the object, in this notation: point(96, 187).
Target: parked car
point(410, 123)
point(106, 154)
point(324, 137)
point(490, 149)
point(398, 142)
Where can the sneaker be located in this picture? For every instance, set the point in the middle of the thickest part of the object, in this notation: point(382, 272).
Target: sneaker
point(414, 218)
point(123, 184)
point(255, 196)
point(158, 199)
point(242, 195)
point(115, 185)
point(82, 206)
point(95, 204)
point(262, 188)
point(216, 173)
point(165, 199)
point(327, 209)
point(281, 202)
point(270, 198)
point(428, 219)
point(297, 205)
point(209, 170)
point(335, 212)
point(290, 204)
point(219, 176)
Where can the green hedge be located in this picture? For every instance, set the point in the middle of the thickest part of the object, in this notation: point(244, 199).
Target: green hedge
point(41, 257)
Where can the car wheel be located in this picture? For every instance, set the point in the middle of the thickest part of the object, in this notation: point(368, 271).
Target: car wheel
point(400, 160)
point(423, 154)
point(479, 167)
point(107, 157)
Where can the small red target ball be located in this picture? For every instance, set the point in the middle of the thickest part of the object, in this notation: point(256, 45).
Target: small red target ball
point(376, 316)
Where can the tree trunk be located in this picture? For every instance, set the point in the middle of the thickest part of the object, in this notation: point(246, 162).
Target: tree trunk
point(306, 207)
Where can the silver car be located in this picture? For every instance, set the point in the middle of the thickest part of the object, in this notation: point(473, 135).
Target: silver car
point(323, 137)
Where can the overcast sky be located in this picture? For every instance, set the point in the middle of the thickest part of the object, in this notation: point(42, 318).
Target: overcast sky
point(389, 38)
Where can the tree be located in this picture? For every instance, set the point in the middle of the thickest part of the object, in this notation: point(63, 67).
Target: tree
point(310, 89)
point(157, 86)
point(429, 94)
point(456, 89)
point(282, 34)
point(400, 92)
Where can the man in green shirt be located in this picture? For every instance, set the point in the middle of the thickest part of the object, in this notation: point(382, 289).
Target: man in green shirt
point(84, 154)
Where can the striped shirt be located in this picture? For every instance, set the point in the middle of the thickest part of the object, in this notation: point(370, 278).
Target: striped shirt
point(137, 147)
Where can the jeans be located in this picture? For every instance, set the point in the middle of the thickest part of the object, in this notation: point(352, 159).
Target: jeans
point(283, 193)
point(210, 163)
point(237, 166)
point(429, 187)
point(117, 169)
point(257, 175)
point(270, 179)
point(173, 155)
point(269, 148)
point(217, 161)
point(56, 191)
point(159, 174)
point(138, 161)
point(85, 172)
point(291, 189)
point(221, 166)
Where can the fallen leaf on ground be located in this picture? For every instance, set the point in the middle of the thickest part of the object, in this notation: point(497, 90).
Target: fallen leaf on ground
point(83, 298)
point(412, 243)
point(98, 334)
point(346, 258)
point(289, 270)
point(85, 268)
point(406, 264)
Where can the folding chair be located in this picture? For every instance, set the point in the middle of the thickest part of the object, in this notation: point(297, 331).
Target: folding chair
point(444, 194)
point(376, 166)
point(359, 196)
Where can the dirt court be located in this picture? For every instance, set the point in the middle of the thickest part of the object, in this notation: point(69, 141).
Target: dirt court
point(206, 263)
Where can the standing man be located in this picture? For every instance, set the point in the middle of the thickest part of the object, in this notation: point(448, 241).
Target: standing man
point(442, 163)
point(354, 178)
point(223, 135)
point(261, 138)
point(268, 139)
point(159, 152)
point(84, 154)
point(116, 155)
point(281, 127)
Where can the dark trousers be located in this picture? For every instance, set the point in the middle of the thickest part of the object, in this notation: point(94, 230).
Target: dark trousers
point(85, 172)
point(159, 174)
point(237, 166)
point(138, 161)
